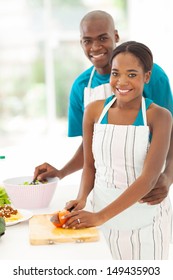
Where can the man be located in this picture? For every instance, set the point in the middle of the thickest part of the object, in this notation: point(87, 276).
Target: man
point(98, 38)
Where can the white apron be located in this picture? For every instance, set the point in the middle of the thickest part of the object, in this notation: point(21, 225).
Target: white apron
point(119, 152)
point(100, 92)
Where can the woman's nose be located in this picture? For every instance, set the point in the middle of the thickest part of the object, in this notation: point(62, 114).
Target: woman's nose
point(122, 81)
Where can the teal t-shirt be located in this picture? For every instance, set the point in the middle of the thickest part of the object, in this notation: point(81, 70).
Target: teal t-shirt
point(139, 119)
point(158, 90)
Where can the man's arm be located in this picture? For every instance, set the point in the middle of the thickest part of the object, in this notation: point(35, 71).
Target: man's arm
point(164, 182)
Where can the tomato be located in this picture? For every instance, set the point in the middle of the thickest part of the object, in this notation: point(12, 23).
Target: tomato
point(57, 218)
point(63, 213)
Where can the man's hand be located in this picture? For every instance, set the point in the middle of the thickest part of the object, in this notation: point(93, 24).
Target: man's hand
point(44, 171)
point(159, 192)
point(77, 204)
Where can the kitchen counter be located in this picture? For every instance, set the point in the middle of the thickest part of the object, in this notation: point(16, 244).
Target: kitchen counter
point(15, 243)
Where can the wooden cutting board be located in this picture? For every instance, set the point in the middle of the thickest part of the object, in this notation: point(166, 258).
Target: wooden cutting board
point(42, 232)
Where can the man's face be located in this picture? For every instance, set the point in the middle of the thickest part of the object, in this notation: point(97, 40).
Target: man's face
point(98, 39)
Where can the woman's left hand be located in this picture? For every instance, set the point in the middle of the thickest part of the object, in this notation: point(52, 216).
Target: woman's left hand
point(82, 219)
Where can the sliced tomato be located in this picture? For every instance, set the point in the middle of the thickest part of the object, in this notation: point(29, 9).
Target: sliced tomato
point(57, 218)
point(63, 213)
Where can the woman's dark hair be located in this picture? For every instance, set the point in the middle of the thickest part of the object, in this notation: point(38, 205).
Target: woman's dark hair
point(139, 50)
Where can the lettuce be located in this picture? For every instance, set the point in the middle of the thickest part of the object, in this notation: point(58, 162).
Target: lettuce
point(4, 199)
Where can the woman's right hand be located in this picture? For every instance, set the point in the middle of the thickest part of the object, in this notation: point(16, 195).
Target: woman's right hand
point(76, 204)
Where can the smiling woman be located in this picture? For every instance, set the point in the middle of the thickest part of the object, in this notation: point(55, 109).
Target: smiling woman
point(121, 139)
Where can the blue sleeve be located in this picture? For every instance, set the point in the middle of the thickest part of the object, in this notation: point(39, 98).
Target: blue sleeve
point(166, 99)
point(159, 89)
point(75, 110)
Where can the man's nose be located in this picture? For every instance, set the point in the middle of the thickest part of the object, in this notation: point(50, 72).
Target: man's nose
point(96, 45)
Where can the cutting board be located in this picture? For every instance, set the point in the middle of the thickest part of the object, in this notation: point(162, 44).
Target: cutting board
point(42, 232)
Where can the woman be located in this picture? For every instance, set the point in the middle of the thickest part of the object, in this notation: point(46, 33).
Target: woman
point(126, 140)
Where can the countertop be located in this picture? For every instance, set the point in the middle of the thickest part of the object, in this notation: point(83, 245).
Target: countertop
point(15, 242)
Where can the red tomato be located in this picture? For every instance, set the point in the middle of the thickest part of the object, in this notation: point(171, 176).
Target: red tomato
point(57, 218)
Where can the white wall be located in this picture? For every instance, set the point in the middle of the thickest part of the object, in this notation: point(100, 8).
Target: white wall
point(151, 21)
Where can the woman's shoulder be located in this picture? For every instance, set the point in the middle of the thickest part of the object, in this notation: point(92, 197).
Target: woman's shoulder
point(95, 104)
point(159, 113)
point(99, 103)
point(94, 108)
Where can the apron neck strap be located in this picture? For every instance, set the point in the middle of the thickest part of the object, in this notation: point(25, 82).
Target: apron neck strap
point(91, 76)
point(106, 108)
point(144, 115)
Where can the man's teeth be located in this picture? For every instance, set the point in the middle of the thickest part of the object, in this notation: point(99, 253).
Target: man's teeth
point(98, 55)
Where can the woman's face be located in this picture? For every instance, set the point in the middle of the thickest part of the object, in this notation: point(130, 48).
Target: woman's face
point(127, 77)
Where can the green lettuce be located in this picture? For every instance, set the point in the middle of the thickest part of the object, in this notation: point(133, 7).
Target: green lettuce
point(4, 198)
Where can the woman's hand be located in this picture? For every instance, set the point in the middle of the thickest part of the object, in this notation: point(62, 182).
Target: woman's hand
point(82, 219)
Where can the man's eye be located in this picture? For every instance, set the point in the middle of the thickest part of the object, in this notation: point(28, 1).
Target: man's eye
point(85, 42)
point(103, 38)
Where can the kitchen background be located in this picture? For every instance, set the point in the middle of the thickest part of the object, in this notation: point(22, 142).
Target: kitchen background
point(40, 56)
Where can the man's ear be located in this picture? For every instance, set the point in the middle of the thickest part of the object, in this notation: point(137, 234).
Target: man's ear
point(117, 37)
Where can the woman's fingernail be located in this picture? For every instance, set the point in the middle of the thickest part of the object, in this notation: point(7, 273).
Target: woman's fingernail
point(64, 226)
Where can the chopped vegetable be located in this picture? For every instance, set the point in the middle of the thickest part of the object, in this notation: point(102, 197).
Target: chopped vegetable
point(2, 226)
point(58, 219)
point(4, 198)
point(35, 182)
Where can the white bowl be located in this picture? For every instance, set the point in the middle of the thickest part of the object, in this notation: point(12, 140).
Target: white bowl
point(30, 196)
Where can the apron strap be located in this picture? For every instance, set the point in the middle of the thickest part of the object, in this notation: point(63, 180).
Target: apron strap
point(106, 108)
point(144, 115)
point(91, 76)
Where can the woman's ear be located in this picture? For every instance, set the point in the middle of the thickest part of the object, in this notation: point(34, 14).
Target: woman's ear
point(147, 77)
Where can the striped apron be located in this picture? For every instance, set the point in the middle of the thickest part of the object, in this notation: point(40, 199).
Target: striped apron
point(142, 231)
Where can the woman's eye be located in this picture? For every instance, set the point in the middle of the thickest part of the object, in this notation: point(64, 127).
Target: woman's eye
point(114, 74)
point(132, 75)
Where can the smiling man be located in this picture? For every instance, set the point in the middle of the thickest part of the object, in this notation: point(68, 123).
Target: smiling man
point(98, 38)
